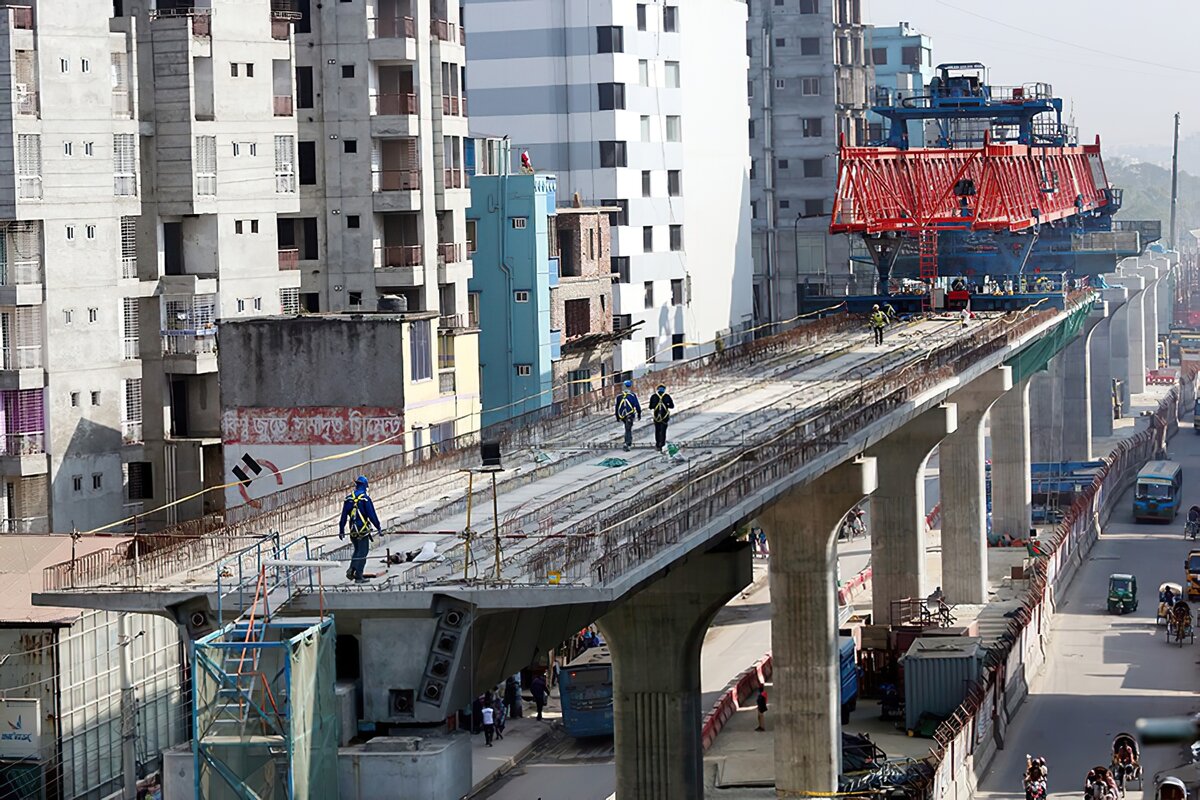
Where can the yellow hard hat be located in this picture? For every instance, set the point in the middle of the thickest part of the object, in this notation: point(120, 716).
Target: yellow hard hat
point(876, 307)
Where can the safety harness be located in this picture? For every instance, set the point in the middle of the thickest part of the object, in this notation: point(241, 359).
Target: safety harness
point(661, 412)
point(625, 408)
point(359, 525)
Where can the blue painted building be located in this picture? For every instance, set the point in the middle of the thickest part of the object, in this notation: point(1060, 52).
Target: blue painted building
point(903, 61)
point(509, 225)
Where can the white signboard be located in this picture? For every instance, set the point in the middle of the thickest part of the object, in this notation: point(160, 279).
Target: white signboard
point(20, 728)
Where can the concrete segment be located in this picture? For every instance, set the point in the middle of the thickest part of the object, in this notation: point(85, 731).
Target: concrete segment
point(961, 458)
point(1012, 500)
point(802, 531)
point(898, 507)
point(656, 705)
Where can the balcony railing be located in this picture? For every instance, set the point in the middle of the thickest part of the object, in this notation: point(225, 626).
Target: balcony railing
point(130, 348)
point(289, 259)
point(449, 252)
point(462, 38)
point(189, 343)
point(446, 382)
point(400, 255)
point(28, 356)
point(131, 431)
point(394, 105)
point(15, 273)
point(450, 105)
point(28, 443)
point(283, 105)
point(121, 107)
point(201, 18)
point(22, 17)
point(397, 180)
point(281, 29)
point(129, 267)
point(442, 29)
point(391, 28)
point(453, 179)
point(28, 104)
point(25, 525)
point(29, 187)
point(450, 322)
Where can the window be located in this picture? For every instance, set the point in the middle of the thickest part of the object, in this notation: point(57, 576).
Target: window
point(674, 129)
point(70, 233)
point(610, 39)
point(677, 347)
point(619, 266)
point(814, 208)
point(420, 354)
point(95, 398)
point(64, 65)
point(521, 296)
point(93, 314)
point(612, 154)
point(753, 209)
point(751, 129)
point(258, 304)
point(578, 315)
point(285, 163)
point(349, 145)
point(68, 315)
point(674, 182)
point(621, 215)
point(643, 72)
point(304, 87)
point(641, 16)
point(813, 167)
point(810, 46)
point(648, 294)
point(206, 165)
point(808, 7)
point(651, 347)
point(90, 231)
point(131, 411)
point(780, 83)
point(307, 162)
point(77, 483)
point(519, 223)
point(347, 70)
point(29, 166)
point(289, 301)
point(671, 74)
point(910, 56)
point(89, 148)
point(750, 47)
point(810, 127)
point(241, 304)
point(472, 233)
point(645, 183)
point(750, 88)
point(249, 70)
point(676, 237)
point(524, 370)
point(648, 239)
point(810, 87)
point(130, 322)
point(125, 164)
point(85, 65)
point(645, 121)
point(783, 163)
point(97, 480)
point(784, 204)
point(879, 56)
point(780, 42)
point(677, 291)
point(612, 96)
point(753, 168)
point(354, 298)
point(670, 19)
point(67, 148)
point(233, 69)
point(74, 399)
point(245, 149)
point(141, 482)
point(353, 221)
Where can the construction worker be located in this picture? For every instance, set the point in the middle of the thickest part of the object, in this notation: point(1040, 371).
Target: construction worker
point(627, 408)
point(889, 311)
point(661, 405)
point(878, 321)
point(359, 511)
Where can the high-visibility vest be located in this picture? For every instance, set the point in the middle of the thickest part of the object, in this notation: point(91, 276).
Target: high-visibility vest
point(877, 319)
point(625, 408)
point(359, 524)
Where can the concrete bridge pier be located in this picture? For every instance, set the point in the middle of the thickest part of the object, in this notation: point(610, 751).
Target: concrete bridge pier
point(655, 640)
point(1100, 348)
point(964, 491)
point(802, 529)
point(898, 508)
point(1150, 313)
point(1012, 498)
point(1078, 414)
point(1135, 335)
point(1046, 417)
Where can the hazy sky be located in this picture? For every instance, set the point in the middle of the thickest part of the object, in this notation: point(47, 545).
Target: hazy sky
point(1124, 68)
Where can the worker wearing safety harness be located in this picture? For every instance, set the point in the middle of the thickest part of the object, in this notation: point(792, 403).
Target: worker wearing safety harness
point(627, 408)
point(359, 511)
point(661, 405)
point(878, 320)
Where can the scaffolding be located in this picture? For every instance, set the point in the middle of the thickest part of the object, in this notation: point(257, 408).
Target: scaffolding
point(264, 720)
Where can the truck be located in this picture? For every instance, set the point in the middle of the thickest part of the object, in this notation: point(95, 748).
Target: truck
point(849, 677)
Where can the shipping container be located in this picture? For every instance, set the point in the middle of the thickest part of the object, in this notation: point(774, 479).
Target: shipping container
point(938, 672)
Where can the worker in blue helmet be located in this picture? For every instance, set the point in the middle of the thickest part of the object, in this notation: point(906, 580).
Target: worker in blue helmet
point(359, 512)
point(627, 409)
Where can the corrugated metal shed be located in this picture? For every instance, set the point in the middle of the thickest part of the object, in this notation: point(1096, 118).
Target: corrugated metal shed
point(937, 674)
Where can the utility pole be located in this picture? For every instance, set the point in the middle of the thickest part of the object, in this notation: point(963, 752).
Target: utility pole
point(1174, 181)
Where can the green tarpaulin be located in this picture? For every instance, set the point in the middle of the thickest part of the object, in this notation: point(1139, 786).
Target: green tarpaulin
point(1036, 356)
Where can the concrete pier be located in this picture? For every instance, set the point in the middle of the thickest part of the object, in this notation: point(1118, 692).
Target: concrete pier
point(1012, 506)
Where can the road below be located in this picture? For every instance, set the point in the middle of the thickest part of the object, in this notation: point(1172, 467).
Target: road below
point(1103, 671)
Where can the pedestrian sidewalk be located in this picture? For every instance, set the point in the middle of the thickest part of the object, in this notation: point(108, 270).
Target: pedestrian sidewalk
point(521, 736)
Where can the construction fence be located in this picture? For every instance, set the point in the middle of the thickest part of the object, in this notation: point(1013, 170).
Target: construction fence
point(967, 741)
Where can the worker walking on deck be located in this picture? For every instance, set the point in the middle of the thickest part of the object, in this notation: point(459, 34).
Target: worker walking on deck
point(627, 409)
point(878, 321)
point(661, 406)
point(359, 511)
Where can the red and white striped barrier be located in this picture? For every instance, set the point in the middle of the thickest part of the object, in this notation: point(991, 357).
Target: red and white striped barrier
point(739, 690)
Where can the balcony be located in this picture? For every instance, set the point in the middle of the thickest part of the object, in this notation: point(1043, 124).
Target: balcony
point(450, 253)
point(396, 190)
point(21, 282)
point(391, 28)
point(22, 444)
point(122, 108)
point(201, 19)
point(394, 115)
point(283, 105)
point(400, 265)
point(446, 382)
point(449, 322)
point(450, 105)
point(441, 29)
point(18, 357)
point(190, 352)
point(453, 179)
point(289, 259)
point(131, 432)
point(22, 17)
point(129, 267)
point(27, 101)
point(394, 105)
point(29, 187)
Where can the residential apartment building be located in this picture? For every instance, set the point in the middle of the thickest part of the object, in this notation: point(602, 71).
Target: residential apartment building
point(902, 59)
point(542, 289)
point(383, 182)
point(810, 86)
point(639, 106)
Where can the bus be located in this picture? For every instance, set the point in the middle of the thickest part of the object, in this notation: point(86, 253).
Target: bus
point(1156, 495)
point(585, 688)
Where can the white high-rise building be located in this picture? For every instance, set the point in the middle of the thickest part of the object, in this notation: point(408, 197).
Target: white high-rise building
point(642, 106)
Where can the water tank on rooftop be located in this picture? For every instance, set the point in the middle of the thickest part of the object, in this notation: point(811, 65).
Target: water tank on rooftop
point(392, 304)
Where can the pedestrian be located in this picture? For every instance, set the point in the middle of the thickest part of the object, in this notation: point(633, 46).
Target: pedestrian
point(512, 697)
point(878, 320)
point(627, 408)
point(661, 406)
point(762, 543)
point(538, 687)
point(499, 717)
point(489, 724)
point(359, 511)
point(762, 709)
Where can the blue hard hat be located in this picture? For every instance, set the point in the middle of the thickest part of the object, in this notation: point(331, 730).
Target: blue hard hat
point(628, 384)
point(361, 480)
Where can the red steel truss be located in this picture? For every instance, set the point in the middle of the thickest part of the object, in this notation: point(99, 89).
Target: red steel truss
point(1014, 187)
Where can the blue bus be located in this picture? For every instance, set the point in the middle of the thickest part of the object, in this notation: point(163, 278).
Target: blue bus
point(585, 688)
point(849, 676)
point(1157, 494)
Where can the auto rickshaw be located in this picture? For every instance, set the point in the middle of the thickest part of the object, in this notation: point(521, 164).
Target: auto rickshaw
point(1126, 773)
point(1164, 607)
point(1170, 788)
point(1122, 593)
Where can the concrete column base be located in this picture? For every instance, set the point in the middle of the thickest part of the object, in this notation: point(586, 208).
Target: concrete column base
point(802, 529)
point(655, 638)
